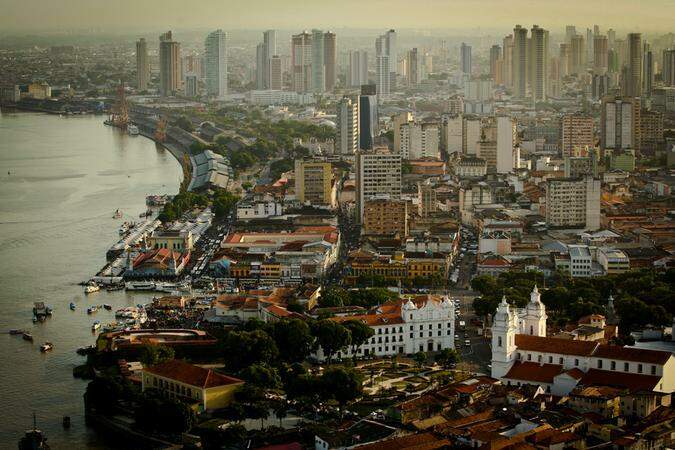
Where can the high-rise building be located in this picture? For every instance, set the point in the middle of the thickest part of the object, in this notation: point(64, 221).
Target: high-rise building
point(668, 67)
point(539, 63)
point(519, 61)
point(314, 182)
point(573, 203)
point(385, 217)
point(414, 66)
point(318, 62)
point(347, 127)
point(576, 132)
point(619, 123)
point(611, 37)
point(506, 139)
point(386, 61)
point(191, 85)
point(265, 51)
point(507, 65)
point(276, 72)
point(368, 116)
point(419, 140)
point(570, 32)
point(301, 62)
point(495, 56)
point(565, 58)
point(426, 199)
point(590, 56)
point(577, 54)
point(330, 60)
point(216, 64)
point(600, 54)
point(650, 133)
point(142, 65)
point(169, 65)
point(632, 73)
point(399, 120)
point(465, 58)
point(647, 70)
point(378, 175)
point(358, 68)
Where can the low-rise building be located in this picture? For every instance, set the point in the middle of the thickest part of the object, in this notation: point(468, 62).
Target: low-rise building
point(613, 260)
point(176, 240)
point(470, 167)
point(258, 206)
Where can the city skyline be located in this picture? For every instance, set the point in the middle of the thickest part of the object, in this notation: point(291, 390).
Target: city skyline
point(238, 15)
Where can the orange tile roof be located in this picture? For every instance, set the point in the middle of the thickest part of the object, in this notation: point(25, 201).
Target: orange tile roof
point(423, 441)
point(187, 373)
point(575, 373)
point(632, 354)
point(554, 345)
point(631, 381)
point(530, 371)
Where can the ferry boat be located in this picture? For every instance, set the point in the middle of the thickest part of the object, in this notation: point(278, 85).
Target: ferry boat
point(132, 130)
point(173, 287)
point(47, 346)
point(91, 287)
point(95, 326)
point(139, 286)
point(72, 306)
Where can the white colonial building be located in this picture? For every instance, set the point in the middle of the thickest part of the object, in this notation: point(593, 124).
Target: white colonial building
point(522, 354)
point(422, 323)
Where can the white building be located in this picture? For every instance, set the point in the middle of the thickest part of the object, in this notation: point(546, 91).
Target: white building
point(478, 89)
point(573, 203)
point(405, 326)
point(347, 127)
point(216, 63)
point(378, 175)
point(258, 207)
point(276, 97)
point(506, 137)
point(358, 68)
point(523, 355)
point(419, 140)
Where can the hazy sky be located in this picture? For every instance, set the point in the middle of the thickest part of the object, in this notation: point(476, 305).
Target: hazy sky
point(114, 15)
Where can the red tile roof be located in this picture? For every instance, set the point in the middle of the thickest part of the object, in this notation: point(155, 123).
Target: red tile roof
point(632, 354)
point(575, 373)
point(530, 371)
point(187, 373)
point(554, 345)
point(632, 381)
point(423, 441)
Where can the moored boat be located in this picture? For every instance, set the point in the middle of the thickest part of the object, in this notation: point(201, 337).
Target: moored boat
point(107, 306)
point(140, 286)
point(15, 332)
point(72, 306)
point(91, 287)
point(95, 326)
point(92, 309)
point(27, 337)
point(47, 346)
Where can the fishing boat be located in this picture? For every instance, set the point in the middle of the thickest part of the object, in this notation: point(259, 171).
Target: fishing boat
point(72, 306)
point(92, 309)
point(33, 439)
point(47, 346)
point(95, 326)
point(39, 309)
point(118, 214)
point(27, 337)
point(107, 306)
point(91, 287)
point(49, 310)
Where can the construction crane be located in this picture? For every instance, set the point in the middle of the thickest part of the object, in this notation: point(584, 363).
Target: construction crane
point(119, 114)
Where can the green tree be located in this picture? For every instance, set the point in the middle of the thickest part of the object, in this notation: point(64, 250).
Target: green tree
point(223, 203)
point(341, 384)
point(295, 337)
point(244, 348)
point(185, 123)
point(420, 359)
point(262, 376)
point(152, 354)
point(485, 284)
point(359, 332)
point(485, 306)
point(331, 336)
point(447, 357)
point(334, 296)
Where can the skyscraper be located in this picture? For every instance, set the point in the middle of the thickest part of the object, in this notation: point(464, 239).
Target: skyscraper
point(216, 63)
point(589, 47)
point(632, 74)
point(169, 65)
point(358, 68)
point(539, 63)
point(301, 61)
point(600, 54)
point(570, 31)
point(142, 65)
point(495, 56)
point(519, 61)
point(368, 116)
point(318, 63)
point(330, 60)
point(577, 54)
point(465, 58)
point(647, 70)
point(386, 61)
point(507, 66)
point(347, 127)
point(565, 57)
point(414, 65)
point(611, 37)
point(378, 174)
point(619, 123)
point(668, 70)
point(264, 53)
point(275, 73)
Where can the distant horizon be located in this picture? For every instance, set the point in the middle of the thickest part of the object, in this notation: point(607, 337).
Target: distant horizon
point(433, 16)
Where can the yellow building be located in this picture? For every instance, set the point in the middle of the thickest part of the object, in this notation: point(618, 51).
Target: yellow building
point(39, 91)
point(384, 217)
point(314, 183)
point(179, 241)
point(206, 388)
point(398, 267)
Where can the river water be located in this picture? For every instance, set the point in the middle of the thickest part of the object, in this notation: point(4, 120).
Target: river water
point(66, 178)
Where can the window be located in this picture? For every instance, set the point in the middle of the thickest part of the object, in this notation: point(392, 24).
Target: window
point(499, 341)
point(430, 326)
point(531, 329)
point(639, 368)
point(599, 364)
point(529, 356)
point(411, 335)
point(449, 332)
point(576, 363)
point(625, 367)
point(561, 360)
point(386, 331)
point(653, 370)
point(422, 334)
point(550, 359)
point(539, 358)
point(411, 328)
point(612, 365)
point(439, 332)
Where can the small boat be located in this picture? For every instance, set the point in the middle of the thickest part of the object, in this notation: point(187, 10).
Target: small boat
point(47, 346)
point(39, 309)
point(95, 326)
point(91, 287)
point(35, 319)
point(132, 130)
point(27, 337)
point(49, 310)
point(92, 309)
point(106, 306)
point(84, 350)
point(117, 215)
point(15, 332)
point(72, 306)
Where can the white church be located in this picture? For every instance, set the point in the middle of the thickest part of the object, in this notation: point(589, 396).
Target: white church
point(523, 355)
